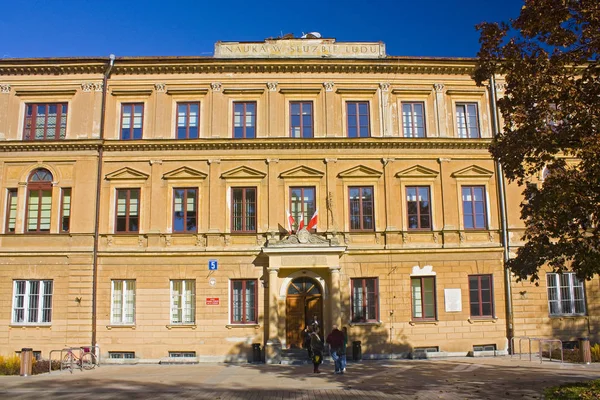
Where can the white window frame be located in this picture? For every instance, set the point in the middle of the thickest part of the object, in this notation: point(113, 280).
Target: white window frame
point(29, 304)
point(183, 307)
point(553, 284)
point(126, 307)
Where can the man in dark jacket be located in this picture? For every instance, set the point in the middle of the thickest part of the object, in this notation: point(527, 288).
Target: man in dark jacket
point(336, 342)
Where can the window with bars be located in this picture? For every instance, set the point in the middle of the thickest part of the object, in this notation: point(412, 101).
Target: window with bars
point(244, 120)
point(301, 119)
point(132, 121)
point(39, 201)
point(45, 121)
point(357, 114)
point(188, 120)
point(481, 296)
point(474, 207)
point(32, 302)
point(244, 301)
point(243, 210)
point(65, 210)
point(365, 303)
point(128, 211)
point(361, 208)
point(413, 119)
point(566, 294)
point(123, 302)
point(185, 210)
point(183, 301)
point(467, 120)
point(423, 298)
point(302, 205)
point(418, 207)
point(11, 211)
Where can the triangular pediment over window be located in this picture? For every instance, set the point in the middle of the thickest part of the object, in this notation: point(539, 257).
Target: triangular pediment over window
point(474, 171)
point(243, 172)
point(418, 171)
point(301, 172)
point(127, 173)
point(360, 171)
point(185, 173)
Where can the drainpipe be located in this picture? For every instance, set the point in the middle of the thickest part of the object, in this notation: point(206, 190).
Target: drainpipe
point(111, 63)
point(503, 218)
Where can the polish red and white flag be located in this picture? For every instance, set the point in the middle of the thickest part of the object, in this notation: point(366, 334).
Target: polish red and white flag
point(313, 221)
point(301, 224)
point(290, 221)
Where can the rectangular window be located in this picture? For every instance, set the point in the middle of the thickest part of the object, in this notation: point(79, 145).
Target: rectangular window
point(418, 207)
point(302, 205)
point(365, 304)
point(123, 302)
point(121, 354)
point(185, 210)
point(182, 354)
point(128, 211)
point(11, 211)
point(132, 121)
point(357, 113)
point(566, 294)
point(301, 119)
point(481, 296)
point(243, 301)
point(467, 120)
point(32, 302)
point(423, 298)
point(39, 208)
point(46, 121)
point(188, 120)
point(361, 208)
point(243, 210)
point(183, 301)
point(65, 210)
point(474, 209)
point(413, 119)
point(244, 120)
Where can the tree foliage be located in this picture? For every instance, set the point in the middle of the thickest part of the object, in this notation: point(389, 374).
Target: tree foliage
point(548, 57)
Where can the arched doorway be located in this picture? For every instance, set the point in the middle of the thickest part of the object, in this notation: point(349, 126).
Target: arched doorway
point(303, 300)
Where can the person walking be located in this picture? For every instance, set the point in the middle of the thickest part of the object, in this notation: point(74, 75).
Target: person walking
point(316, 346)
point(336, 341)
point(306, 341)
point(344, 348)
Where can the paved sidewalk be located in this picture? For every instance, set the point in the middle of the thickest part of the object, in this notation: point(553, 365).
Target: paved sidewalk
point(455, 378)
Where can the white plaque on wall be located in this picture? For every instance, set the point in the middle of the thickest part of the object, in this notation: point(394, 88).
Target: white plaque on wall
point(453, 300)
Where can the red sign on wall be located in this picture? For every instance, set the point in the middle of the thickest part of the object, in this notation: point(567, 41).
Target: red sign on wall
point(212, 301)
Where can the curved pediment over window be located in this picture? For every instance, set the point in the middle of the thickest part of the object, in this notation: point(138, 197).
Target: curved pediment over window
point(127, 173)
point(301, 172)
point(243, 172)
point(418, 171)
point(474, 171)
point(185, 173)
point(360, 171)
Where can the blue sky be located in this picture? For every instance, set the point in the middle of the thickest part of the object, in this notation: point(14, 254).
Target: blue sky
point(78, 28)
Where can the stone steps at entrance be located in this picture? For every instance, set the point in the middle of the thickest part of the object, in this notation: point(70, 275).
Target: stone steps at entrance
point(298, 357)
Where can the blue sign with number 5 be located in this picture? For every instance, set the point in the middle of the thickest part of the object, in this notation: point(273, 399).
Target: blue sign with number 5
point(213, 265)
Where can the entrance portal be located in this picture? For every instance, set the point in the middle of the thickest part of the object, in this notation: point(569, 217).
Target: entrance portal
point(304, 299)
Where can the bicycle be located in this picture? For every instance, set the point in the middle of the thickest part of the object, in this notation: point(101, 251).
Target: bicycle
point(85, 360)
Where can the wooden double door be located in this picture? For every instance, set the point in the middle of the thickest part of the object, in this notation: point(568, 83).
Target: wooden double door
point(304, 299)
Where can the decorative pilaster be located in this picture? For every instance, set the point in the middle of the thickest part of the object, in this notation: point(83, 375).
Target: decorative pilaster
point(160, 87)
point(336, 298)
point(4, 88)
point(440, 110)
point(272, 86)
point(328, 86)
point(215, 86)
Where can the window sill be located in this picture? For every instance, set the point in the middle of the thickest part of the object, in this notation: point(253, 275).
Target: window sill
point(182, 326)
point(568, 316)
point(423, 322)
point(484, 319)
point(117, 326)
point(367, 323)
point(37, 326)
point(232, 326)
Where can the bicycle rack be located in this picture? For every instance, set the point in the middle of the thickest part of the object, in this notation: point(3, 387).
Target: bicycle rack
point(78, 351)
point(541, 342)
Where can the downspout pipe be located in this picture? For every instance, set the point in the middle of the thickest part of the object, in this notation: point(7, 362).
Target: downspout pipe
point(111, 63)
point(503, 217)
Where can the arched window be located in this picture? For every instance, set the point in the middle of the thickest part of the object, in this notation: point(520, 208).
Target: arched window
point(39, 201)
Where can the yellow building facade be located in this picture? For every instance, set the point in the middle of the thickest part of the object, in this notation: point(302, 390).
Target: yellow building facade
point(147, 204)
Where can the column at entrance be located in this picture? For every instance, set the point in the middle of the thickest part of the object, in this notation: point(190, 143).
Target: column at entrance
point(335, 299)
point(273, 345)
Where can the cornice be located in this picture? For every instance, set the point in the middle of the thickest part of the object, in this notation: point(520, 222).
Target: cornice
point(55, 145)
point(19, 68)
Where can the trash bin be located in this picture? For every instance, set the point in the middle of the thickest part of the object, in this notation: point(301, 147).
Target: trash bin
point(256, 354)
point(584, 348)
point(27, 361)
point(356, 351)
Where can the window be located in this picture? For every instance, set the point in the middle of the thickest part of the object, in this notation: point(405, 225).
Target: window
point(244, 120)
point(39, 201)
point(188, 117)
point(418, 207)
point(132, 121)
point(357, 113)
point(32, 302)
point(243, 212)
point(474, 210)
point(566, 295)
point(123, 302)
point(361, 208)
point(302, 205)
point(185, 213)
point(484, 347)
point(413, 119)
point(128, 211)
point(243, 301)
point(481, 296)
point(11, 211)
point(121, 354)
point(467, 120)
point(301, 119)
point(423, 297)
point(183, 301)
point(365, 307)
point(45, 121)
point(182, 354)
point(65, 210)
